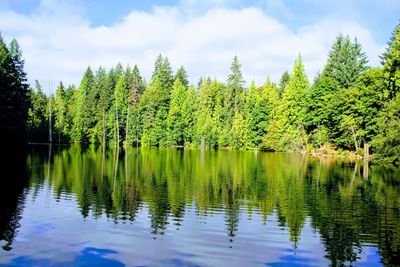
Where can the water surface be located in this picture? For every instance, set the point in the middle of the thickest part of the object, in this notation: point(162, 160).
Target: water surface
point(89, 206)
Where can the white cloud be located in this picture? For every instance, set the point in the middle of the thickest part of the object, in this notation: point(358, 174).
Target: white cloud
point(61, 44)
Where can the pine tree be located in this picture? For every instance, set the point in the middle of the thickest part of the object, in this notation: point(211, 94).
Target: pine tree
point(189, 108)
point(133, 127)
point(37, 115)
point(346, 62)
point(175, 124)
point(235, 85)
point(387, 142)
point(83, 120)
point(99, 133)
point(138, 79)
point(259, 104)
point(154, 110)
point(183, 77)
point(285, 77)
point(14, 94)
point(391, 63)
point(286, 128)
point(240, 133)
point(60, 114)
point(205, 122)
point(163, 72)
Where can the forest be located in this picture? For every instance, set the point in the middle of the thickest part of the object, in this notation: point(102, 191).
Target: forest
point(347, 105)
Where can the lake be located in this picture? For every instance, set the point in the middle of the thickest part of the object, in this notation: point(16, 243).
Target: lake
point(89, 206)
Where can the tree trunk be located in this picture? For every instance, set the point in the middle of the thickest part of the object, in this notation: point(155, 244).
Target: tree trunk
point(355, 137)
point(116, 124)
point(127, 125)
point(104, 126)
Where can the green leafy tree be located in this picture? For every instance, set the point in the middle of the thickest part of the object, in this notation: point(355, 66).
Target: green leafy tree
point(387, 142)
point(363, 104)
point(286, 128)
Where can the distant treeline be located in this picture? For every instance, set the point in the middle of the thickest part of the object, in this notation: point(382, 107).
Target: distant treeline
point(347, 105)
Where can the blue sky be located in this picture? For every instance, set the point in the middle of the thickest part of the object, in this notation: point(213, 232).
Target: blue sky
point(61, 38)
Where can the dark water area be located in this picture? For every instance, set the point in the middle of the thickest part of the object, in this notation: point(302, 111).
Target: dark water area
point(89, 206)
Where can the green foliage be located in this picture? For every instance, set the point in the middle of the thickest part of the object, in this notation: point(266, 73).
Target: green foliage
point(189, 107)
point(154, 110)
point(286, 127)
point(60, 114)
point(346, 61)
point(283, 82)
point(387, 142)
point(181, 74)
point(175, 120)
point(347, 106)
point(259, 104)
point(240, 133)
point(391, 63)
point(235, 85)
point(14, 94)
point(83, 114)
point(37, 115)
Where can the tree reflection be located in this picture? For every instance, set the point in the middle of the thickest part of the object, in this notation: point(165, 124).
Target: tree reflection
point(12, 192)
point(343, 207)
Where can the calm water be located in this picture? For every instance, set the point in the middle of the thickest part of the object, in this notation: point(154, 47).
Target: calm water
point(153, 207)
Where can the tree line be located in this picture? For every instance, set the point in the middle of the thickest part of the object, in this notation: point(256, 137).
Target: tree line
point(347, 105)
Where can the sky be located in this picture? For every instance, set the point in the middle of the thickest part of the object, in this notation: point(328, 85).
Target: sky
point(60, 38)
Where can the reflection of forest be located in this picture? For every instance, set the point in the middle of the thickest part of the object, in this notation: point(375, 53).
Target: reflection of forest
point(12, 193)
point(346, 209)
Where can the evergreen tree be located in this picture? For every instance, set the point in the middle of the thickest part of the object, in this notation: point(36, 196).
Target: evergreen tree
point(346, 62)
point(163, 72)
point(60, 113)
point(240, 133)
point(175, 121)
point(83, 118)
point(183, 77)
point(138, 80)
point(120, 108)
point(133, 126)
point(387, 142)
point(391, 63)
point(259, 105)
point(103, 104)
point(235, 85)
point(14, 98)
point(209, 114)
point(283, 82)
point(37, 115)
point(189, 108)
point(154, 110)
point(286, 128)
